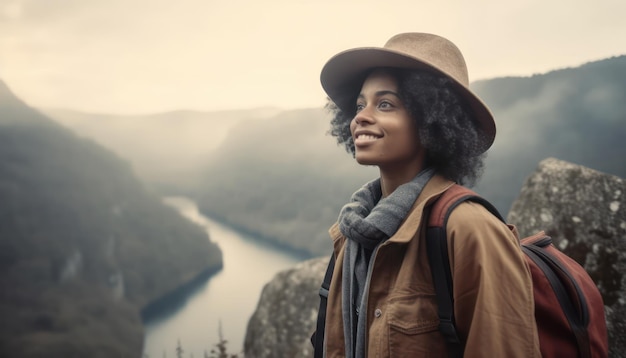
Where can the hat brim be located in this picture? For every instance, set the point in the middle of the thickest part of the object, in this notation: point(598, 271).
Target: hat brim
point(344, 73)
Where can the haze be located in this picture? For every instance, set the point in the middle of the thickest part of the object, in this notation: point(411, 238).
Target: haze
point(148, 56)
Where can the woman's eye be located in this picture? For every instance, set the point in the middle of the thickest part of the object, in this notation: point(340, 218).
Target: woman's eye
point(359, 107)
point(384, 105)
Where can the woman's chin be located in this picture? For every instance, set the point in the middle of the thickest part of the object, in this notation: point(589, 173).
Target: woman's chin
point(364, 160)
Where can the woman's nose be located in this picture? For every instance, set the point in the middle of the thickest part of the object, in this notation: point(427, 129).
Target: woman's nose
point(364, 116)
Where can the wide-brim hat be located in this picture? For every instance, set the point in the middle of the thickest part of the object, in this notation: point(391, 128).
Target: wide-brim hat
point(344, 73)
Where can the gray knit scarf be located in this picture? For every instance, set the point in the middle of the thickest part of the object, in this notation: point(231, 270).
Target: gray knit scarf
point(367, 220)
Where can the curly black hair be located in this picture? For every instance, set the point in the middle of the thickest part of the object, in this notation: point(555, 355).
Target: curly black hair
point(449, 133)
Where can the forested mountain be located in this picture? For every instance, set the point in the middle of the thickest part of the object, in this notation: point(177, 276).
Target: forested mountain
point(83, 245)
point(284, 179)
point(167, 149)
point(575, 114)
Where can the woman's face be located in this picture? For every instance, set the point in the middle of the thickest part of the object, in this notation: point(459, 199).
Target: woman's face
point(383, 131)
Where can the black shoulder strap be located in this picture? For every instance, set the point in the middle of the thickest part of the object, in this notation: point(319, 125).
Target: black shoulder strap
point(437, 249)
point(317, 339)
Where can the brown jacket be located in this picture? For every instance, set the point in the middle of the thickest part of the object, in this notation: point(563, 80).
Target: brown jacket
point(494, 307)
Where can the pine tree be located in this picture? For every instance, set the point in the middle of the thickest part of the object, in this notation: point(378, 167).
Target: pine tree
point(221, 347)
point(179, 350)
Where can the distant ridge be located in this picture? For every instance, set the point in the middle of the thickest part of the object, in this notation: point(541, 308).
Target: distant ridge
point(84, 245)
point(166, 149)
point(282, 177)
point(7, 97)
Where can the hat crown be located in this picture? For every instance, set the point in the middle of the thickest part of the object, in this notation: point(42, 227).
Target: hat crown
point(433, 50)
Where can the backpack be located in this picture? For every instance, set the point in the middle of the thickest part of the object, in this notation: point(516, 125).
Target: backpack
point(569, 310)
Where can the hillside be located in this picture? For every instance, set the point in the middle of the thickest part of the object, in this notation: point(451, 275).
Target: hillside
point(164, 149)
point(279, 176)
point(285, 180)
point(575, 114)
point(83, 245)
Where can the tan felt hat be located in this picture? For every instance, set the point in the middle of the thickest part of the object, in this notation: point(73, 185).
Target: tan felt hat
point(343, 74)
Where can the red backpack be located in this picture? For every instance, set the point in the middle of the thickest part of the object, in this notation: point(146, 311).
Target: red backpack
point(568, 306)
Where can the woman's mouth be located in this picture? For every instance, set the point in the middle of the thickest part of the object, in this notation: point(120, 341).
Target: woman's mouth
point(365, 138)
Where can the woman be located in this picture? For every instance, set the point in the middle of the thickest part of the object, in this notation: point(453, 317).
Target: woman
point(407, 108)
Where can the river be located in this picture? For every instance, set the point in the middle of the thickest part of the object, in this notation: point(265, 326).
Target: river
point(227, 299)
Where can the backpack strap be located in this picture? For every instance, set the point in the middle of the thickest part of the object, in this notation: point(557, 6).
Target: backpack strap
point(437, 250)
point(450, 199)
point(317, 339)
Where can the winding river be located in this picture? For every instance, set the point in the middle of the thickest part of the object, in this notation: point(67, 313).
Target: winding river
point(225, 302)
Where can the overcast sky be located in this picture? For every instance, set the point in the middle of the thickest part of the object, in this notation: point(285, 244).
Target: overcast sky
point(144, 56)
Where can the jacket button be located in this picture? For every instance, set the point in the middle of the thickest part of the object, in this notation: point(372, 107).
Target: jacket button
point(378, 313)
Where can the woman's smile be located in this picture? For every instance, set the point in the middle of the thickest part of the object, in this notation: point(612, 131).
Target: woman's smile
point(362, 138)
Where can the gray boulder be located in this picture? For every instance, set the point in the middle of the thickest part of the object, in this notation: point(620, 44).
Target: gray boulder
point(584, 211)
point(285, 317)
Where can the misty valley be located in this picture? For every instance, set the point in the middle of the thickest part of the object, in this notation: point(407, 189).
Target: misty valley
point(87, 242)
point(225, 301)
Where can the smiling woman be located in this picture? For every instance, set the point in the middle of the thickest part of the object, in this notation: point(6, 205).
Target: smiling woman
point(407, 108)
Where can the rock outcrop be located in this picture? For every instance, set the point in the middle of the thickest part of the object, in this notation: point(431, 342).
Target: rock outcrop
point(582, 209)
point(286, 314)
